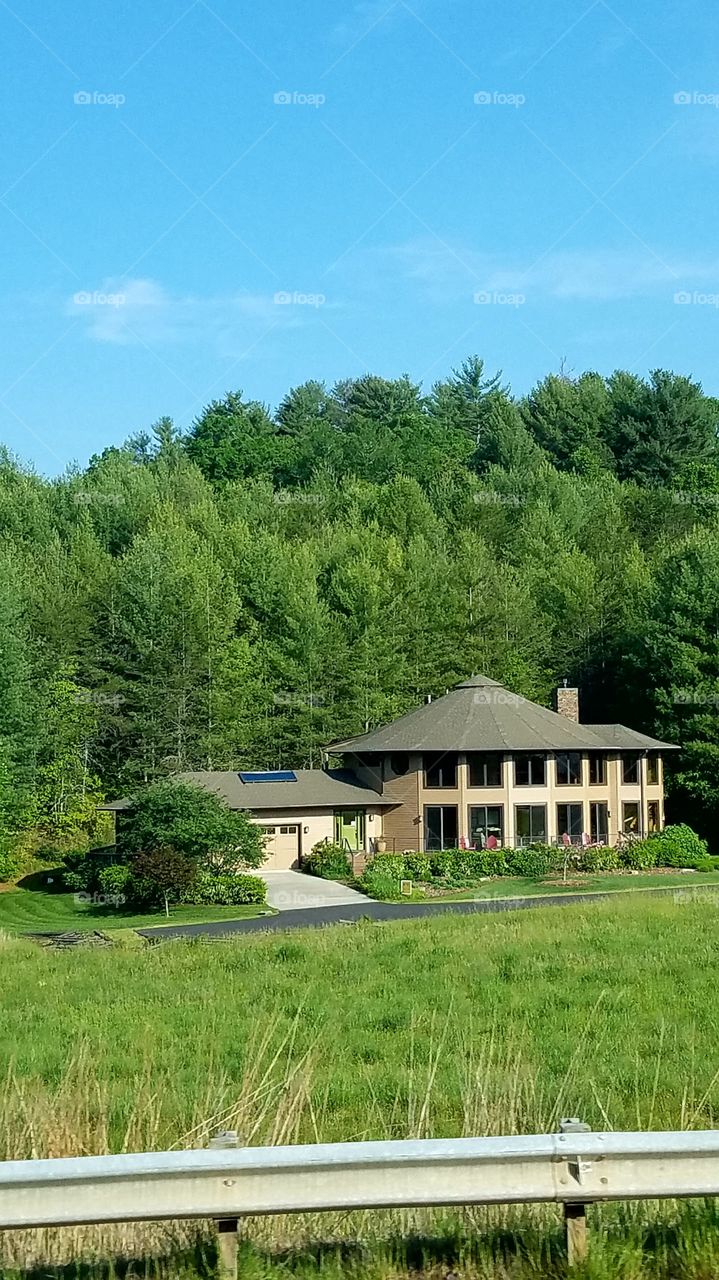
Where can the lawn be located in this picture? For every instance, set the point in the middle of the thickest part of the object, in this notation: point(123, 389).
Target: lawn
point(37, 911)
point(446, 1026)
point(602, 882)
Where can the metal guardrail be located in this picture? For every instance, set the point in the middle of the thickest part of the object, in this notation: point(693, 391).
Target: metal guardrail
point(572, 1168)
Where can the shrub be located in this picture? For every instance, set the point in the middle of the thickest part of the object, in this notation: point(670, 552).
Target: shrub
point(677, 846)
point(484, 862)
point(328, 860)
point(114, 880)
point(417, 866)
point(534, 860)
point(379, 883)
point(708, 863)
point(160, 876)
point(226, 891)
point(638, 855)
point(80, 873)
point(598, 858)
point(195, 823)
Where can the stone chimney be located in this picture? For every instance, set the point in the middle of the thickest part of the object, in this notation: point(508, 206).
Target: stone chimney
point(566, 702)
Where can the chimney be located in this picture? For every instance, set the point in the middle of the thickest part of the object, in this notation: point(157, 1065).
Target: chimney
point(566, 702)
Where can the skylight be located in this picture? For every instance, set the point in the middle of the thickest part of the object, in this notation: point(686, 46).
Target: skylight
point(270, 775)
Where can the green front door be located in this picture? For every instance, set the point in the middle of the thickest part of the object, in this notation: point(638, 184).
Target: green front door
point(350, 829)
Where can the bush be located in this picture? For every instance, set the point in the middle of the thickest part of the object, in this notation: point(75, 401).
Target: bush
point(226, 891)
point(677, 846)
point(160, 876)
point(638, 855)
point(114, 880)
point(80, 873)
point(708, 863)
point(598, 858)
point(534, 860)
point(417, 866)
point(383, 876)
point(329, 861)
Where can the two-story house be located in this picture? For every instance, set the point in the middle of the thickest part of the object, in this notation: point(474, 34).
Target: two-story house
point(482, 762)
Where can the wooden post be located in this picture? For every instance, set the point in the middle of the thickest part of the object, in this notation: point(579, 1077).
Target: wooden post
point(575, 1212)
point(226, 1227)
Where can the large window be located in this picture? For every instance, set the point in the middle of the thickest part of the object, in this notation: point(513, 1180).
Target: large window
point(530, 823)
point(529, 770)
point(630, 818)
point(570, 820)
point(653, 769)
point(485, 770)
point(569, 769)
point(653, 816)
point(440, 826)
point(440, 771)
point(597, 770)
point(485, 821)
point(599, 821)
point(630, 769)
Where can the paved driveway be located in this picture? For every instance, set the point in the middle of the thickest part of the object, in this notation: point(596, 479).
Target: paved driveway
point(293, 891)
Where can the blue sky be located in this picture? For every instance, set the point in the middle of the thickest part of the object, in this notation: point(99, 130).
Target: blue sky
point(534, 183)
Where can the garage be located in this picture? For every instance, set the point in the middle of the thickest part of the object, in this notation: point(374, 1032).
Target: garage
point(282, 847)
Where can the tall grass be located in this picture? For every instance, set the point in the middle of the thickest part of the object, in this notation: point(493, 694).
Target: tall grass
point(449, 1027)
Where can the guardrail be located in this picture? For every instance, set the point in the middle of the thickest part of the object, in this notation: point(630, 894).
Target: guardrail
point(573, 1168)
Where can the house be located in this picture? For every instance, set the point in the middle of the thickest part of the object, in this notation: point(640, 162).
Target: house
point(479, 765)
point(482, 763)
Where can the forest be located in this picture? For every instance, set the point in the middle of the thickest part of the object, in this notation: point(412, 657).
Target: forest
point(238, 595)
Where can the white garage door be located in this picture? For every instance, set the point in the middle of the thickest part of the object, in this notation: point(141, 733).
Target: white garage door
point(282, 847)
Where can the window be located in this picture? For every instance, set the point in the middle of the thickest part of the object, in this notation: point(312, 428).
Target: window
point(653, 769)
point(485, 820)
point(440, 771)
point(598, 771)
point(569, 768)
point(630, 769)
point(530, 821)
point(529, 770)
point(399, 765)
point(350, 829)
point(599, 821)
point(440, 826)
point(653, 820)
point(630, 819)
point(570, 820)
point(485, 770)
point(288, 831)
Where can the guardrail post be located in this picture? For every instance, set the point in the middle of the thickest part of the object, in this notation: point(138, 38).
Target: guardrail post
point(226, 1227)
point(575, 1212)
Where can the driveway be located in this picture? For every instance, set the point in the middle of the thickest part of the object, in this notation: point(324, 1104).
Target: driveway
point(293, 891)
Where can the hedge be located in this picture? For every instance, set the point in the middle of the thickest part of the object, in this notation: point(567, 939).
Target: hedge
point(327, 860)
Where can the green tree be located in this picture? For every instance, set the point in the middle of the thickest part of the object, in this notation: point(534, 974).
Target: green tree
point(193, 822)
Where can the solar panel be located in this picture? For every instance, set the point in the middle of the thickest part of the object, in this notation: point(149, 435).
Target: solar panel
point(276, 775)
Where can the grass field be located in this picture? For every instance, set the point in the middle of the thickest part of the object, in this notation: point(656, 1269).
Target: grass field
point(449, 1026)
point(30, 911)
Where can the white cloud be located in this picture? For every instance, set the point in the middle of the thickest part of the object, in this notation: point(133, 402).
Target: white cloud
point(127, 312)
point(446, 272)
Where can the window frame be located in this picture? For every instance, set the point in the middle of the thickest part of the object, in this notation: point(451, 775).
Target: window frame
point(439, 764)
point(594, 832)
point(529, 758)
point(654, 804)
point(568, 756)
point(532, 838)
point(635, 759)
point(442, 808)
point(497, 827)
point(479, 761)
point(567, 826)
point(600, 758)
point(631, 831)
point(653, 767)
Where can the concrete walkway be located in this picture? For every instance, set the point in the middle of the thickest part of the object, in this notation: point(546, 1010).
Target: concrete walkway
point(293, 891)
